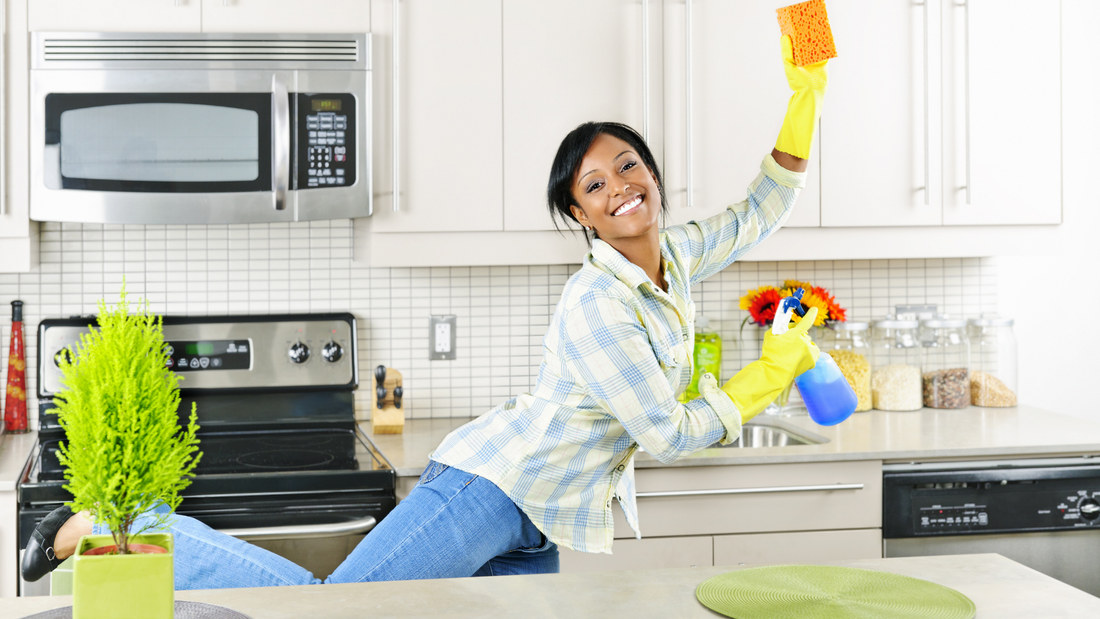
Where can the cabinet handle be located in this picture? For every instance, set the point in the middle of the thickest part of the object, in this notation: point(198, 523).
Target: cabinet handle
point(645, 71)
point(688, 141)
point(396, 103)
point(280, 137)
point(927, 187)
point(3, 108)
point(772, 489)
point(966, 52)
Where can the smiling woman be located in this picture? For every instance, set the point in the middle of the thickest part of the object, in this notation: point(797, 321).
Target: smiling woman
point(542, 469)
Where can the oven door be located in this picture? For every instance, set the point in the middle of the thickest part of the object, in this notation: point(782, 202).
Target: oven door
point(183, 146)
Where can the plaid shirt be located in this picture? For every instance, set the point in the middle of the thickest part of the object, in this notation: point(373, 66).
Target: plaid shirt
point(616, 354)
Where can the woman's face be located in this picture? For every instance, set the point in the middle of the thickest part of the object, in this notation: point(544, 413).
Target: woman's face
point(617, 194)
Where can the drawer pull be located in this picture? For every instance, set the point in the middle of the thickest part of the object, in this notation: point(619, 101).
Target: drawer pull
point(649, 495)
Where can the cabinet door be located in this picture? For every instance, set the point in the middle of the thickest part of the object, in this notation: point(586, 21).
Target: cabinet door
point(114, 15)
point(880, 145)
point(1003, 107)
point(448, 116)
point(552, 85)
point(735, 106)
point(642, 554)
point(277, 16)
point(803, 547)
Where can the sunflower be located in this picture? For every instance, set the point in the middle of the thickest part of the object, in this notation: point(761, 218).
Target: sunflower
point(810, 299)
point(761, 304)
point(794, 284)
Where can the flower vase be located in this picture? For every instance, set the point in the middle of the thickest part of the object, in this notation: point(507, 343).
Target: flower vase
point(787, 404)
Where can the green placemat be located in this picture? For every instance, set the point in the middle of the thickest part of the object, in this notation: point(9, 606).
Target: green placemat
point(829, 592)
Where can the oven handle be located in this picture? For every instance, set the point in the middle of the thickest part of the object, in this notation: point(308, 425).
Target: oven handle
point(305, 531)
point(828, 487)
point(280, 141)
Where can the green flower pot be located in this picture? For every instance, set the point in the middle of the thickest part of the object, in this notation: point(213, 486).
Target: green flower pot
point(123, 586)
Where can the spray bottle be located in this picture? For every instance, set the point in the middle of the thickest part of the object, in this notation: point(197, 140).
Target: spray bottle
point(828, 396)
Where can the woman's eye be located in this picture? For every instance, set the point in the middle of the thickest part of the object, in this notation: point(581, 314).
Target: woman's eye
point(629, 164)
point(594, 186)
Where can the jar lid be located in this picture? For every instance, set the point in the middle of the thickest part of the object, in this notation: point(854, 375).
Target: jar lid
point(850, 326)
point(893, 323)
point(944, 323)
point(992, 322)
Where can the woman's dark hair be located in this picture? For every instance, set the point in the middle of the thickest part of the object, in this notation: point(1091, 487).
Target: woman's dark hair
point(567, 163)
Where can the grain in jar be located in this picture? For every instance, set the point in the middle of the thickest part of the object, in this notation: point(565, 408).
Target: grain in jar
point(993, 381)
point(849, 345)
point(946, 367)
point(896, 365)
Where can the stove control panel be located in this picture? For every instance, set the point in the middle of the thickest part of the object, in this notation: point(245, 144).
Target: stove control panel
point(230, 352)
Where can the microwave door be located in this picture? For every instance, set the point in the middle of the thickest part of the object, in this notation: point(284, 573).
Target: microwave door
point(167, 147)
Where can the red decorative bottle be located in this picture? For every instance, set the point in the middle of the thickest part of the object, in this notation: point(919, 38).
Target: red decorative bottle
point(15, 401)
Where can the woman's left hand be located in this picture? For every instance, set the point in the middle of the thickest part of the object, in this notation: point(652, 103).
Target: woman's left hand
point(796, 137)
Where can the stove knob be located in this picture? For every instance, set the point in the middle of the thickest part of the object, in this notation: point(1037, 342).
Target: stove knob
point(332, 352)
point(298, 352)
point(1089, 509)
point(64, 353)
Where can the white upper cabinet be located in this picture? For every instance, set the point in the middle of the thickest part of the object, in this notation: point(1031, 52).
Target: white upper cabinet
point(343, 16)
point(1003, 112)
point(448, 116)
point(734, 106)
point(115, 15)
point(566, 62)
point(880, 145)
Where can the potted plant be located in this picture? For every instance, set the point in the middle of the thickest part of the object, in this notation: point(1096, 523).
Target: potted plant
point(125, 453)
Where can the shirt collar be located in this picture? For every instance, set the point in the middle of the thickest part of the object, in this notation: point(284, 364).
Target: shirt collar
point(624, 270)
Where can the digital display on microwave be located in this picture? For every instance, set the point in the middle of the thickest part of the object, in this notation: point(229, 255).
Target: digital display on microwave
point(326, 105)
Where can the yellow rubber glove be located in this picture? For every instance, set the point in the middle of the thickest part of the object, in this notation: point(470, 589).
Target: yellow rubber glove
point(784, 357)
point(808, 83)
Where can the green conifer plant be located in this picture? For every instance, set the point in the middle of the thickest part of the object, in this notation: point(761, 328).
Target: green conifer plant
point(125, 451)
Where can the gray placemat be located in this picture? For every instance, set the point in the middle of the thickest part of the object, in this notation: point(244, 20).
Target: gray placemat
point(184, 610)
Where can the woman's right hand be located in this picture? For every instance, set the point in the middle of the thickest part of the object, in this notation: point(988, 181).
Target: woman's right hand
point(796, 137)
point(783, 358)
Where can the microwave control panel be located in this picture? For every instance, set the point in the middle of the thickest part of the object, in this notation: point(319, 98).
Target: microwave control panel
point(326, 140)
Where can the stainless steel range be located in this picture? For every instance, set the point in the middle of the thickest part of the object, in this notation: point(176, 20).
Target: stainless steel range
point(283, 458)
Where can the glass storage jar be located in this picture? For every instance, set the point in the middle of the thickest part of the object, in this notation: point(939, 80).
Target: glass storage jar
point(849, 346)
point(993, 381)
point(946, 370)
point(895, 365)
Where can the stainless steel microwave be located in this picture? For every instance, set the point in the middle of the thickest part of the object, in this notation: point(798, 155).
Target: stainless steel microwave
point(200, 128)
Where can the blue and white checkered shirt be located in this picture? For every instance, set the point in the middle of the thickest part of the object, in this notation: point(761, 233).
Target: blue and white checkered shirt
point(616, 354)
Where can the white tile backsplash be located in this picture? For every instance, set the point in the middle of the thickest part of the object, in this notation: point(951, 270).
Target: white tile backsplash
point(502, 311)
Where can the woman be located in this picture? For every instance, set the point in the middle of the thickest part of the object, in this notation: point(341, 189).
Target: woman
point(502, 491)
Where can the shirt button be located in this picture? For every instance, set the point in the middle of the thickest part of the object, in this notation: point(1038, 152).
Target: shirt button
point(621, 467)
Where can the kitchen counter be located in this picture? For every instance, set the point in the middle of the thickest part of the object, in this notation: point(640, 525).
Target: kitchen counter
point(928, 434)
point(1000, 589)
point(14, 449)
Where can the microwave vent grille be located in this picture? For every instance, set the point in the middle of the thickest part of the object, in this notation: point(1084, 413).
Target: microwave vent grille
point(99, 50)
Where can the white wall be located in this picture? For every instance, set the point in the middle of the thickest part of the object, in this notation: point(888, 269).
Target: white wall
point(1058, 369)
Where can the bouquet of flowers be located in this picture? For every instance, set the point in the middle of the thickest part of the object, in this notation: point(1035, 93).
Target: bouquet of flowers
point(763, 301)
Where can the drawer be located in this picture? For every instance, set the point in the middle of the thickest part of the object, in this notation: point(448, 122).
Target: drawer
point(765, 498)
point(801, 547)
point(642, 554)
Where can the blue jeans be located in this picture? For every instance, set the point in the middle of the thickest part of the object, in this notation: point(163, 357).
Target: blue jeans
point(453, 524)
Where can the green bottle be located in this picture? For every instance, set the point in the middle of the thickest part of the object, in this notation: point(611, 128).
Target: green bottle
point(708, 356)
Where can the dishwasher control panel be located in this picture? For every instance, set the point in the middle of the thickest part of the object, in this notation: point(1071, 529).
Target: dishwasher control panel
point(990, 501)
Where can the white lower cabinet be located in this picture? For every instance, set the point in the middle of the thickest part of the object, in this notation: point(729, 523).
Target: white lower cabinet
point(751, 514)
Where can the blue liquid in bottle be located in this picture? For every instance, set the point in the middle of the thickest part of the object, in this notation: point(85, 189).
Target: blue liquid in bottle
point(828, 396)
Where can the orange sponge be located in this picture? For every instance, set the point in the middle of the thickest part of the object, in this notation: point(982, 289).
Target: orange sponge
point(808, 25)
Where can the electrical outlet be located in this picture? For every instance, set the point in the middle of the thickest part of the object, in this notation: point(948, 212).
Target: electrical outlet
point(441, 337)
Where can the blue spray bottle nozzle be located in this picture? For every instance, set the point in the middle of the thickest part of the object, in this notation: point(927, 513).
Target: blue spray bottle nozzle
point(793, 303)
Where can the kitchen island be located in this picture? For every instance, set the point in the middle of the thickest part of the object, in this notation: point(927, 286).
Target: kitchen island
point(1000, 589)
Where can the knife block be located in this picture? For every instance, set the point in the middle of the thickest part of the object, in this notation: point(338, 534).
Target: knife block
point(388, 419)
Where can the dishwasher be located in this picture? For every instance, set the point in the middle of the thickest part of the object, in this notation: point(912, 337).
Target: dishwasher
point(1042, 513)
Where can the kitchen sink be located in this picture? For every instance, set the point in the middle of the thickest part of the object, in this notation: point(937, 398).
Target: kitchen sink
point(769, 432)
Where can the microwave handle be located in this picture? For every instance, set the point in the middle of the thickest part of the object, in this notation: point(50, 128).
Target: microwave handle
point(280, 141)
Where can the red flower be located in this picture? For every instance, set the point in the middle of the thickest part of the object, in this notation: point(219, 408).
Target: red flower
point(836, 312)
point(764, 305)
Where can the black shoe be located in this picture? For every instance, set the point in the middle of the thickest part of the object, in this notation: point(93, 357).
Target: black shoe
point(39, 558)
